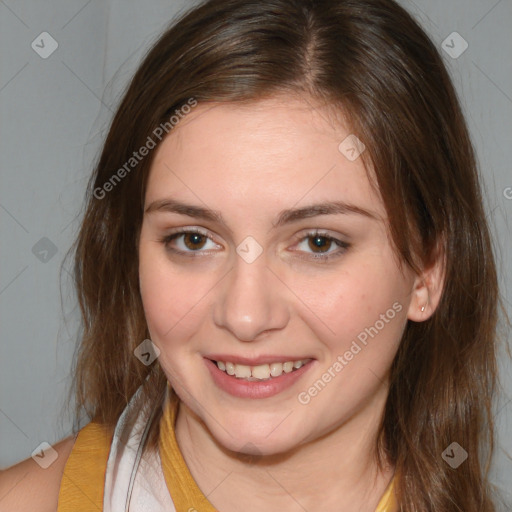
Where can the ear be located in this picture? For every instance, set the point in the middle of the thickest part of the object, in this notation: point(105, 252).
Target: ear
point(428, 286)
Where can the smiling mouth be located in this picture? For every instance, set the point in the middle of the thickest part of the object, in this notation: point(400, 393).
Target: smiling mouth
point(260, 372)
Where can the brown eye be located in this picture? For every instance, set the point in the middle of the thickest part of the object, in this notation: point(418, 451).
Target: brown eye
point(188, 243)
point(321, 247)
point(319, 243)
point(194, 240)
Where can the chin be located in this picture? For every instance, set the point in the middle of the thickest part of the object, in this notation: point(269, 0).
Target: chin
point(256, 441)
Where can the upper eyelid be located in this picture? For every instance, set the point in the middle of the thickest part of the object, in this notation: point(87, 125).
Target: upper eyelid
point(201, 231)
point(304, 233)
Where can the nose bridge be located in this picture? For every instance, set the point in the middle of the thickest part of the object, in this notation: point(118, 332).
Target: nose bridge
point(251, 300)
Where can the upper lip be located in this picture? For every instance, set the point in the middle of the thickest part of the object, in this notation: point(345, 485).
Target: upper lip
point(254, 361)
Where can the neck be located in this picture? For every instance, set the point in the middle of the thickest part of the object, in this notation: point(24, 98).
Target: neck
point(340, 467)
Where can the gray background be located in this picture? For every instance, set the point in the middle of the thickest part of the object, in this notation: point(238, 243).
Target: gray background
point(54, 113)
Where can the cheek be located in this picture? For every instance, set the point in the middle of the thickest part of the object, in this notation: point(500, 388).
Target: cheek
point(364, 302)
point(157, 287)
point(153, 286)
point(172, 298)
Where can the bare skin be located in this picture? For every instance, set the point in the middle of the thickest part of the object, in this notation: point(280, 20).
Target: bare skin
point(26, 487)
point(249, 163)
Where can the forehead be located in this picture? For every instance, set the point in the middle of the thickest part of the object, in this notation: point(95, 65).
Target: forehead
point(257, 123)
point(281, 150)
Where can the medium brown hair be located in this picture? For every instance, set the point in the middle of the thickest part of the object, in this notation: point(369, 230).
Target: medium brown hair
point(372, 61)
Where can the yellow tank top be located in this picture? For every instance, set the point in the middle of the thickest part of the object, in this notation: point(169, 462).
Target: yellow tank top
point(84, 473)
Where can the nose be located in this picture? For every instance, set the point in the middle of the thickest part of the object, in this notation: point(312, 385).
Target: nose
point(251, 300)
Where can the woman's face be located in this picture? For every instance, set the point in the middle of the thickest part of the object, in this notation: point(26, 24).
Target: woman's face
point(292, 264)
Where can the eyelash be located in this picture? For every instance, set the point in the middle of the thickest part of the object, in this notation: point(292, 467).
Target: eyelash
point(312, 234)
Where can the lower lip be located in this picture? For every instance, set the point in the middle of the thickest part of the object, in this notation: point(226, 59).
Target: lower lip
point(253, 389)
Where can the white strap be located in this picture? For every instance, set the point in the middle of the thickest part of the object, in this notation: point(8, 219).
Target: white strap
point(134, 482)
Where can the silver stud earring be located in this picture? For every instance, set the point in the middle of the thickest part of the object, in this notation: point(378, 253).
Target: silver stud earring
point(422, 308)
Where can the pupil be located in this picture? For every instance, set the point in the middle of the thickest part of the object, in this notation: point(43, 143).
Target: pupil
point(320, 242)
point(193, 240)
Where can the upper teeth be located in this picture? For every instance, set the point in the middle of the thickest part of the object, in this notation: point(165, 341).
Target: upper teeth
point(262, 371)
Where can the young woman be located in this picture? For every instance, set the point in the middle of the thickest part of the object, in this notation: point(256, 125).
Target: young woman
point(287, 283)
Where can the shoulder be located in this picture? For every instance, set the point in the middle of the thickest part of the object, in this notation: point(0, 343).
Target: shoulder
point(26, 486)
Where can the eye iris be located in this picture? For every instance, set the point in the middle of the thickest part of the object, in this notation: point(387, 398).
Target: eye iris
point(194, 240)
point(319, 242)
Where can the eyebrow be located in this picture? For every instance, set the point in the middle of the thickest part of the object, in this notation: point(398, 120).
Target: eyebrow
point(285, 216)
